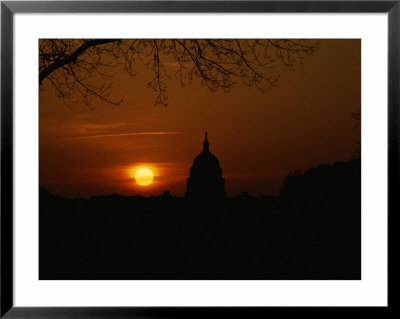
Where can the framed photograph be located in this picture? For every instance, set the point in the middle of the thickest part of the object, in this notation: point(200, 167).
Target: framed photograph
point(197, 159)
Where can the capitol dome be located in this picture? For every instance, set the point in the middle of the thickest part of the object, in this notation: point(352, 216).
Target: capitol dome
point(205, 179)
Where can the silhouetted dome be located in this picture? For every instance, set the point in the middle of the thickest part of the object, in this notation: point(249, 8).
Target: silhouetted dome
point(206, 163)
point(205, 175)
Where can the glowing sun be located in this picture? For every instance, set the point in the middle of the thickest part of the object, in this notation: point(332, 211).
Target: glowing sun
point(144, 177)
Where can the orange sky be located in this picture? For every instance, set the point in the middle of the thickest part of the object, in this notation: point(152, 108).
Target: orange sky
point(257, 137)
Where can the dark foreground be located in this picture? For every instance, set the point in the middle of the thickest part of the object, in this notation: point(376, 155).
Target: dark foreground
point(312, 231)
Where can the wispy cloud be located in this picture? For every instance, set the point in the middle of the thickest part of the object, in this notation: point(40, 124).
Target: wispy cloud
point(125, 134)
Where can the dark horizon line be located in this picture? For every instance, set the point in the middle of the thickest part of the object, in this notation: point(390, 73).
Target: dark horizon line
point(244, 193)
point(164, 194)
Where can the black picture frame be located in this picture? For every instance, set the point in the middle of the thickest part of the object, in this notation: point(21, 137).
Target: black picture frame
point(9, 8)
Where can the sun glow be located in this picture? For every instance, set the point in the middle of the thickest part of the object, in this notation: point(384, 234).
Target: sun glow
point(144, 177)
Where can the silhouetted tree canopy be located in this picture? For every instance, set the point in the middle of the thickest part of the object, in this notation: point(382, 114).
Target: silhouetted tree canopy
point(73, 67)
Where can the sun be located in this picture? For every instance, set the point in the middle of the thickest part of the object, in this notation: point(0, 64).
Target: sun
point(144, 177)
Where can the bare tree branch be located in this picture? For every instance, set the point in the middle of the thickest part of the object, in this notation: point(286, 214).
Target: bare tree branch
point(69, 58)
point(71, 66)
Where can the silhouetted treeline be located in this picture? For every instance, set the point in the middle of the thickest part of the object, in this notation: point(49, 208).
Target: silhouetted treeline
point(311, 231)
